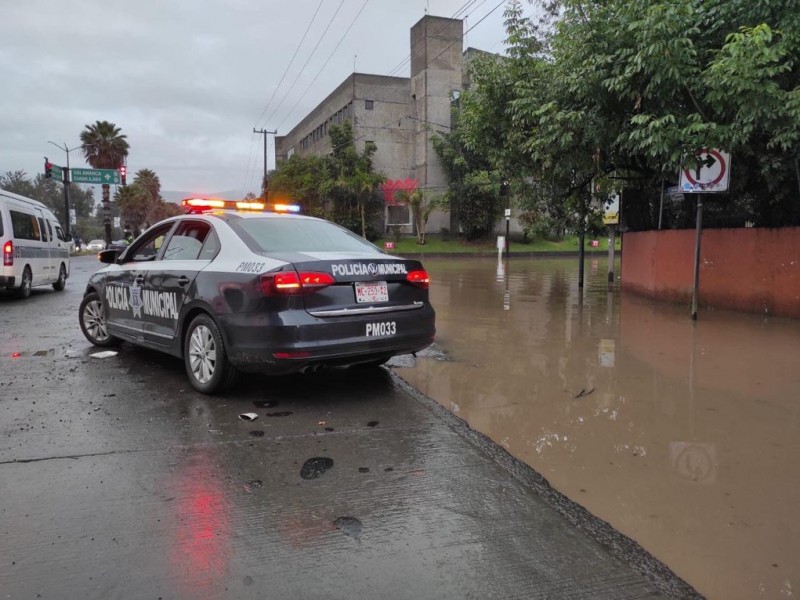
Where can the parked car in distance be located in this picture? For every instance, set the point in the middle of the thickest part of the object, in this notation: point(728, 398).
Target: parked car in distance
point(96, 245)
point(119, 245)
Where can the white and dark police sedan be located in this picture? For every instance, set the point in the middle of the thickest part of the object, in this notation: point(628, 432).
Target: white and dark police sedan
point(257, 289)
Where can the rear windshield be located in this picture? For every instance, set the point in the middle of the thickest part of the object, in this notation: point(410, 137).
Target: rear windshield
point(300, 235)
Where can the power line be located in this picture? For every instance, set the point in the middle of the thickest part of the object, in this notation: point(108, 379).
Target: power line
point(353, 22)
point(291, 87)
point(296, 50)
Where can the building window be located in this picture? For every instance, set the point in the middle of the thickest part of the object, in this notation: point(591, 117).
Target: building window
point(290, 152)
point(399, 214)
point(369, 104)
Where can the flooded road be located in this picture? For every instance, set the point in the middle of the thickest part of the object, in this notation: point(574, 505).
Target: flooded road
point(682, 435)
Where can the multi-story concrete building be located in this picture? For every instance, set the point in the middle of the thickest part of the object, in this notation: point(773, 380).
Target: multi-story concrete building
point(397, 114)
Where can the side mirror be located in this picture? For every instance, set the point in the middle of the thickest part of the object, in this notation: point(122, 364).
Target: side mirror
point(107, 256)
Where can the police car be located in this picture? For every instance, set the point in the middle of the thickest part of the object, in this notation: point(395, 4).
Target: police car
point(236, 287)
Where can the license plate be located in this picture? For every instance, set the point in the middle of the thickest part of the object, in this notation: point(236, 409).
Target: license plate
point(381, 329)
point(373, 291)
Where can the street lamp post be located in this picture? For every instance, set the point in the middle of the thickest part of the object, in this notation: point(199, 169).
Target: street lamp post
point(66, 181)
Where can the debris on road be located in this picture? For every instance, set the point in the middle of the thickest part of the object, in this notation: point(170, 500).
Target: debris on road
point(314, 467)
point(248, 416)
point(104, 354)
point(350, 526)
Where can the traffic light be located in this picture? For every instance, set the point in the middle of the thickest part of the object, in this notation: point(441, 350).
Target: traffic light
point(123, 171)
point(48, 169)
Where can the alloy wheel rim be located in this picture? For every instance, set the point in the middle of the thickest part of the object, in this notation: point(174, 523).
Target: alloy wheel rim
point(202, 354)
point(94, 321)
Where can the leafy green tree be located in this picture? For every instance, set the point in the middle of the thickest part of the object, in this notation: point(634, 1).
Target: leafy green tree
point(473, 186)
point(135, 205)
point(148, 179)
point(342, 186)
point(623, 93)
point(17, 182)
point(300, 179)
point(422, 205)
point(104, 147)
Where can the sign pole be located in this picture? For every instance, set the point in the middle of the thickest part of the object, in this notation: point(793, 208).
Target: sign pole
point(698, 236)
point(612, 241)
point(66, 196)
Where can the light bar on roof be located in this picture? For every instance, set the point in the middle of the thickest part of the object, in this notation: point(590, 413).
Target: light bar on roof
point(196, 204)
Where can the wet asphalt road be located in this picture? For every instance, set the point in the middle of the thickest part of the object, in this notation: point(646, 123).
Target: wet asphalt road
point(119, 481)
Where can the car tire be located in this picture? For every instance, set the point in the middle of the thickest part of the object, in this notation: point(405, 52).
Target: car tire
point(92, 318)
point(206, 360)
point(24, 290)
point(61, 282)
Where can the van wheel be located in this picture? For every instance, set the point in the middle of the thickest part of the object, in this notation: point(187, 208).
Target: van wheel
point(204, 356)
point(24, 290)
point(92, 318)
point(61, 282)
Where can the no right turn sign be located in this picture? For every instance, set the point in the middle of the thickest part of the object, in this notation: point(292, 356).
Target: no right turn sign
point(709, 173)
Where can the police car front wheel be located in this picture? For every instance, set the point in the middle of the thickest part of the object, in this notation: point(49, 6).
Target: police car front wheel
point(92, 319)
point(204, 355)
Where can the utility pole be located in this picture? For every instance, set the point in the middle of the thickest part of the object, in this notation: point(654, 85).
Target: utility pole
point(265, 181)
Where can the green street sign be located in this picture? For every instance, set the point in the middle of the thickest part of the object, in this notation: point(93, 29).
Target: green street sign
point(98, 176)
point(56, 172)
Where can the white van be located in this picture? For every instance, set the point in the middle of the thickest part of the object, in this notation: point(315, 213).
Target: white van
point(34, 247)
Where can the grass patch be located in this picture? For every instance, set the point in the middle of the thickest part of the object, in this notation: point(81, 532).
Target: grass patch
point(436, 245)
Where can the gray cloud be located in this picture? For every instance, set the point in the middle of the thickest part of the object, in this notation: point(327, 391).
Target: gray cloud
point(185, 80)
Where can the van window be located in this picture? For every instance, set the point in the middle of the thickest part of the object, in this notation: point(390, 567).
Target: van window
point(25, 226)
point(60, 233)
point(49, 231)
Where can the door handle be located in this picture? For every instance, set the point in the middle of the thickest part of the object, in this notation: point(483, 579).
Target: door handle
point(183, 280)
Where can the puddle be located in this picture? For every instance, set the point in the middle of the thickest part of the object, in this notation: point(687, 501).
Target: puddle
point(363, 469)
point(350, 526)
point(681, 434)
point(280, 413)
point(372, 423)
point(257, 433)
point(315, 467)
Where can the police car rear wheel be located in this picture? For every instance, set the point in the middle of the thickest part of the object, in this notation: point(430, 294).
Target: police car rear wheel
point(92, 319)
point(206, 361)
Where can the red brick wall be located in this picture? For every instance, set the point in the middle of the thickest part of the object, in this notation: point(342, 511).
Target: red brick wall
point(752, 270)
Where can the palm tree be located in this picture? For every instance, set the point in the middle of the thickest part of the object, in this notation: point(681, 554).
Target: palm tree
point(148, 179)
point(104, 148)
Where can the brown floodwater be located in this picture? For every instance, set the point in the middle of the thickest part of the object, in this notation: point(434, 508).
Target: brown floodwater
point(683, 435)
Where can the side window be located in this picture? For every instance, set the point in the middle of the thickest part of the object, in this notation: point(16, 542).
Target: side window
point(42, 232)
point(49, 231)
point(210, 247)
point(25, 226)
point(147, 248)
point(187, 241)
point(60, 233)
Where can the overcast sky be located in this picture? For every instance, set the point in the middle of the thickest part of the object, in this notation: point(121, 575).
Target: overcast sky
point(187, 81)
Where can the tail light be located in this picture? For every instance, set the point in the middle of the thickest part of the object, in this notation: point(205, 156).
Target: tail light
point(292, 282)
point(8, 254)
point(419, 278)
